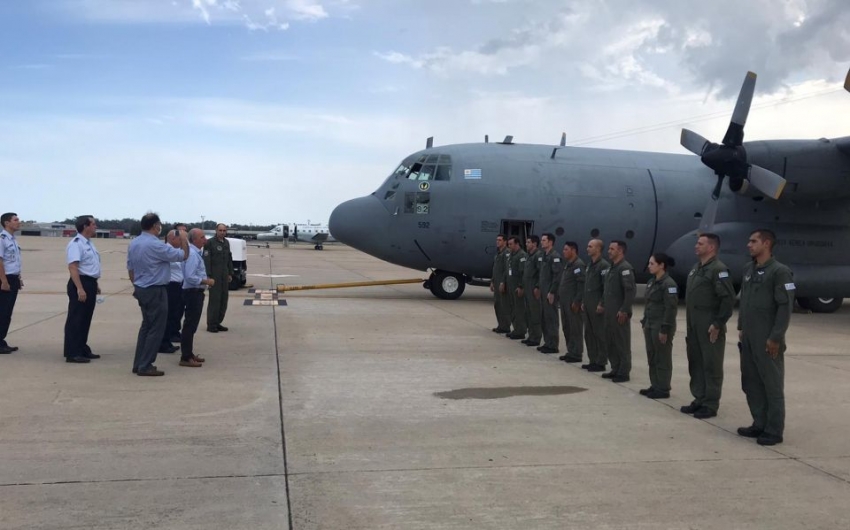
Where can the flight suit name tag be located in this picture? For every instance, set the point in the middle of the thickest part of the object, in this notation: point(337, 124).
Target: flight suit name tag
point(604, 272)
point(577, 271)
point(672, 290)
point(540, 259)
point(510, 272)
point(789, 287)
point(522, 260)
point(557, 260)
point(626, 272)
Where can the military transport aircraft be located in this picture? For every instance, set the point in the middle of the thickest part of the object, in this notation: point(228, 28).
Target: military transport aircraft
point(308, 232)
point(443, 207)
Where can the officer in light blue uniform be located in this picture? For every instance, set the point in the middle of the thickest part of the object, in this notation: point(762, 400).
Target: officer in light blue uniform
point(84, 265)
point(10, 276)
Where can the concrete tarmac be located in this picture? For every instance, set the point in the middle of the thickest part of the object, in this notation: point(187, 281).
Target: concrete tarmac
point(385, 407)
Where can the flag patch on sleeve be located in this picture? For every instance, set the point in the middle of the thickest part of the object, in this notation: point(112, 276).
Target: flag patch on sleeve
point(672, 290)
point(722, 275)
point(789, 287)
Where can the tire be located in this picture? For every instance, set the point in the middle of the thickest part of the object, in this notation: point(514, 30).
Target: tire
point(447, 285)
point(822, 305)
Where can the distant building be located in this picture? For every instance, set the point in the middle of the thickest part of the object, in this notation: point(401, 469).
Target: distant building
point(63, 230)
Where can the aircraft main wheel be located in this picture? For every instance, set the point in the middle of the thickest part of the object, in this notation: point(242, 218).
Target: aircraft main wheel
point(821, 305)
point(447, 285)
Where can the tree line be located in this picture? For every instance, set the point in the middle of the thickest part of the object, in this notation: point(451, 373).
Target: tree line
point(134, 226)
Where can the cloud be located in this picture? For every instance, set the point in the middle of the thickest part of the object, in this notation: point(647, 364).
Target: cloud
point(256, 15)
point(658, 44)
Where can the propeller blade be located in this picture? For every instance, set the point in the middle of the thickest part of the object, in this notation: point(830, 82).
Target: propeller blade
point(429, 142)
point(693, 142)
point(745, 98)
point(563, 139)
point(766, 181)
point(735, 133)
point(708, 216)
point(847, 82)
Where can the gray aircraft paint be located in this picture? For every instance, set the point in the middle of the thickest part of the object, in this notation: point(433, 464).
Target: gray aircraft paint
point(659, 197)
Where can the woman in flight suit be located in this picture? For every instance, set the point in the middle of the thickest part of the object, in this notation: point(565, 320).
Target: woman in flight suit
point(659, 325)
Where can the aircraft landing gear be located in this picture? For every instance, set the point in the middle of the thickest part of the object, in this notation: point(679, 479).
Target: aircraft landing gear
point(318, 247)
point(821, 305)
point(446, 285)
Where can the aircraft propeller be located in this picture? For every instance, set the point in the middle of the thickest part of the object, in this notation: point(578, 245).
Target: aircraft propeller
point(729, 159)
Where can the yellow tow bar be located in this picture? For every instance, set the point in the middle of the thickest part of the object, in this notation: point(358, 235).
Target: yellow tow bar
point(284, 288)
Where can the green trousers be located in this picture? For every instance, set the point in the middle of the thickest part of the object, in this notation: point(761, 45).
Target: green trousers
point(217, 305)
point(549, 316)
point(705, 362)
point(763, 382)
point(501, 304)
point(660, 359)
point(618, 343)
point(533, 313)
point(594, 336)
point(573, 327)
point(519, 320)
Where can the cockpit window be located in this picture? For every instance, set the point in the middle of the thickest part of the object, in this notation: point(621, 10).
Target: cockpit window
point(425, 167)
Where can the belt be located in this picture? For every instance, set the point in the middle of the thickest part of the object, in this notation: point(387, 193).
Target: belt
point(87, 277)
point(194, 290)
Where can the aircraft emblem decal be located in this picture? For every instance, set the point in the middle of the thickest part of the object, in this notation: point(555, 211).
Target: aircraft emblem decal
point(423, 186)
point(472, 173)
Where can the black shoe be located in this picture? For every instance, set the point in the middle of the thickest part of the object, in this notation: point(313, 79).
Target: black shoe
point(609, 375)
point(500, 330)
point(645, 391)
point(595, 368)
point(221, 328)
point(135, 370)
point(531, 344)
point(168, 349)
point(516, 337)
point(153, 372)
point(563, 358)
point(212, 330)
point(5, 350)
point(91, 356)
point(571, 360)
point(175, 338)
point(547, 350)
point(689, 409)
point(12, 348)
point(750, 432)
point(769, 439)
point(78, 359)
point(620, 379)
point(658, 394)
point(704, 413)
point(586, 366)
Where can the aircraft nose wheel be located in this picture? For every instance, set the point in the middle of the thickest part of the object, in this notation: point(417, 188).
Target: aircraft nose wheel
point(318, 247)
point(446, 285)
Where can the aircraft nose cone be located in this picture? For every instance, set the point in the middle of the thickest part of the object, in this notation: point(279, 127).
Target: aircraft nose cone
point(360, 223)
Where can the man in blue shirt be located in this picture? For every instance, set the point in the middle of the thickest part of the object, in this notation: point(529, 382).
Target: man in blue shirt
point(195, 282)
point(84, 265)
point(148, 265)
point(10, 275)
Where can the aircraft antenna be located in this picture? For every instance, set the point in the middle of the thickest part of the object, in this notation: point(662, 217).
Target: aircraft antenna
point(486, 138)
point(563, 140)
point(429, 143)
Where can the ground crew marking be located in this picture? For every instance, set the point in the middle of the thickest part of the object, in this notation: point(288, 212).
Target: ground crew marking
point(264, 297)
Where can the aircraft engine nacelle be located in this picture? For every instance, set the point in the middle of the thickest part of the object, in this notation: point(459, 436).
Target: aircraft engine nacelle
point(814, 169)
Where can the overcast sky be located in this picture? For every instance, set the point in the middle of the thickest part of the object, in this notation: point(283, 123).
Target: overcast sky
point(266, 111)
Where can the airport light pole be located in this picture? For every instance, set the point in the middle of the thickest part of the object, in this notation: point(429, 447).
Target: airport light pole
point(203, 225)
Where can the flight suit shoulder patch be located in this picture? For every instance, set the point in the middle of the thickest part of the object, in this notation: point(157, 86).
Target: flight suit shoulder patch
point(626, 272)
point(672, 290)
point(722, 274)
point(790, 286)
point(522, 260)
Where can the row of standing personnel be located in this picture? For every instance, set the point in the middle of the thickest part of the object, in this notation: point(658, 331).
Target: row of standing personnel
point(532, 285)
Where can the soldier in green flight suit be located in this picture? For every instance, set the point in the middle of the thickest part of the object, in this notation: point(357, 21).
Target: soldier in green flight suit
point(709, 297)
point(499, 287)
point(516, 268)
point(659, 325)
point(570, 294)
point(219, 264)
point(591, 306)
point(551, 267)
point(531, 291)
point(617, 303)
point(767, 299)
